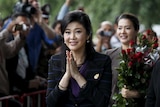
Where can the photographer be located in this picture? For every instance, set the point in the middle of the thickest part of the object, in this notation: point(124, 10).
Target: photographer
point(32, 7)
point(9, 50)
point(40, 32)
point(104, 34)
point(17, 65)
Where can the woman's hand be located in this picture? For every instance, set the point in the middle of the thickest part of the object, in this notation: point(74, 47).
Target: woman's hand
point(71, 65)
point(72, 68)
point(126, 93)
point(63, 84)
point(68, 64)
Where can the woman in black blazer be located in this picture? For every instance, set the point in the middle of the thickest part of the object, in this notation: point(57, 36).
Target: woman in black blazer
point(153, 94)
point(79, 76)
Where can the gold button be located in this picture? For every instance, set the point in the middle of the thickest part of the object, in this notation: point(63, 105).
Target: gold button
point(96, 76)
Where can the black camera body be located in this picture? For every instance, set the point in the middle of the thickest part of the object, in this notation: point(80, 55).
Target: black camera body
point(105, 33)
point(21, 27)
point(25, 8)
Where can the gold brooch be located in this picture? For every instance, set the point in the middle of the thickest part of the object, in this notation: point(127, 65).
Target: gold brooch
point(96, 76)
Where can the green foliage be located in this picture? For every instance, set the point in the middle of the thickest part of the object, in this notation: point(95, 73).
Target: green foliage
point(100, 10)
point(6, 7)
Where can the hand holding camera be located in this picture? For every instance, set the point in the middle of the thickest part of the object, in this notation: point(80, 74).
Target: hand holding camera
point(105, 33)
point(13, 27)
point(21, 27)
point(18, 29)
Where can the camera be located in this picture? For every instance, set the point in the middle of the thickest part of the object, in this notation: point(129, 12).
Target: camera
point(25, 8)
point(21, 27)
point(105, 33)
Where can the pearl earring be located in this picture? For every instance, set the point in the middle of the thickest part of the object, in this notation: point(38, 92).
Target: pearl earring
point(87, 41)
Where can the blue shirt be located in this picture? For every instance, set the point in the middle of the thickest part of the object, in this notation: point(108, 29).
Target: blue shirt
point(34, 44)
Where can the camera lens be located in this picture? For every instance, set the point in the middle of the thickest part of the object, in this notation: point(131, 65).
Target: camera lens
point(108, 33)
point(18, 27)
point(101, 33)
point(105, 33)
point(30, 10)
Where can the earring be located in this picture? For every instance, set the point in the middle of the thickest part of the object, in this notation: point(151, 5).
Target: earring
point(87, 41)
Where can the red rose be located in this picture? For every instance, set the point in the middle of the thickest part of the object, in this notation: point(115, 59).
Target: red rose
point(133, 49)
point(130, 63)
point(134, 57)
point(123, 52)
point(131, 43)
point(139, 60)
point(155, 39)
point(138, 55)
point(155, 45)
point(129, 51)
point(144, 37)
point(148, 31)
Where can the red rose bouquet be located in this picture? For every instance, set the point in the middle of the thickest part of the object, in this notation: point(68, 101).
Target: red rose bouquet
point(135, 67)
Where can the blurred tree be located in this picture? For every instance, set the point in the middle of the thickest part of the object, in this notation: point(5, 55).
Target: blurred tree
point(100, 10)
point(6, 7)
point(149, 12)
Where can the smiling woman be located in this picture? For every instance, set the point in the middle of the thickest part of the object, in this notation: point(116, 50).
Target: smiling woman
point(128, 27)
point(75, 36)
point(79, 74)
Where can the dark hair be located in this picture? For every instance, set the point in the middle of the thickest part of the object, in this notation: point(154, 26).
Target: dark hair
point(55, 23)
point(83, 19)
point(15, 15)
point(132, 18)
point(77, 16)
point(116, 20)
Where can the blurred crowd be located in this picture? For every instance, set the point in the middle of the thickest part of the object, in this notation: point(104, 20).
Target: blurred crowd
point(28, 39)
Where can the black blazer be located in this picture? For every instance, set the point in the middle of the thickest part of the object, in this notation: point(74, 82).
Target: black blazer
point(97, 91)
point(153, 94)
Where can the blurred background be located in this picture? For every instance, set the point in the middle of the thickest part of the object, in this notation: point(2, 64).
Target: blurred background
point(100, 10)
